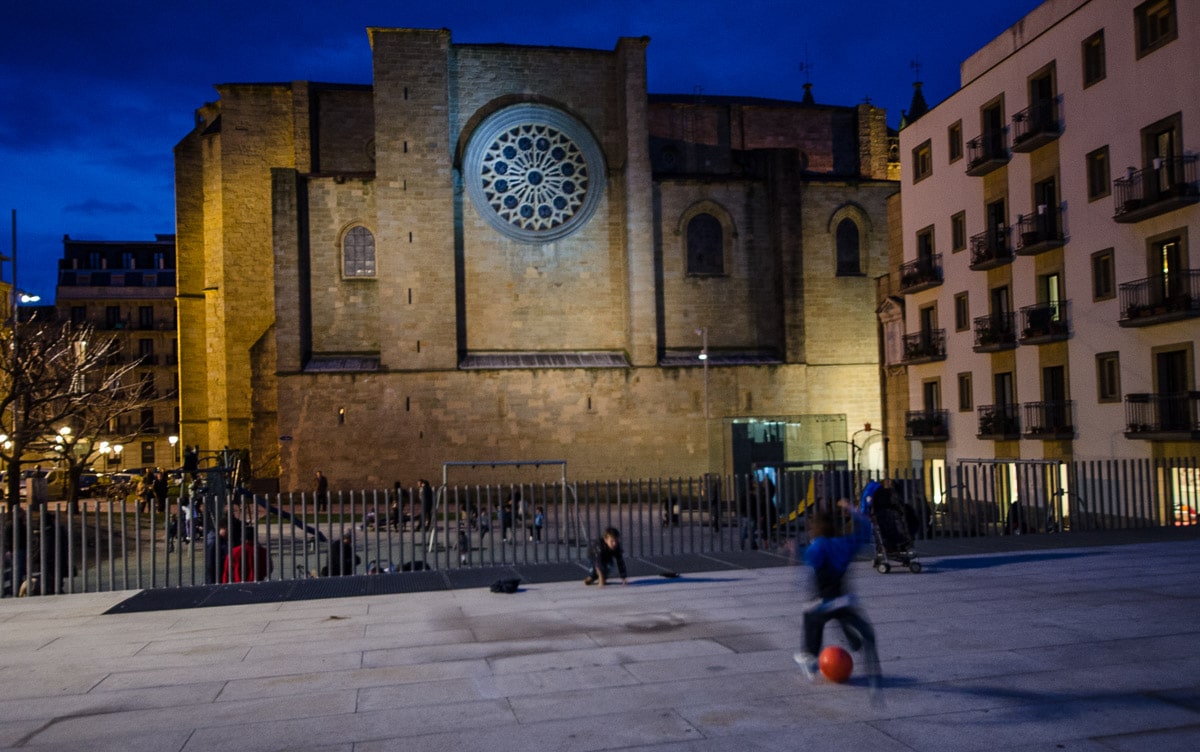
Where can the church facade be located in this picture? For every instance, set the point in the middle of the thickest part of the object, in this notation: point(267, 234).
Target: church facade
point(504, 253)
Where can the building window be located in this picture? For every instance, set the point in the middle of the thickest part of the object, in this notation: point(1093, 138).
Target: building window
point(1155, 24)
point(1098, 182)
point(955, 141)
point(358, 253)
point(848, 258)
point(112, 317)
point(966, 397)
point(958, 232)
point(147, 452)
point(706, 245)
point(145, 317)
point(925, 244)
point(1108, 377)
point(1103, 286)
point(78, 314)
point(922, 162)
point(962, 312)
point(1093, 59)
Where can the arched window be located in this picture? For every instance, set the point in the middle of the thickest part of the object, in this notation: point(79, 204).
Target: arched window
point(358, 253)
point(848, 262)
point(705, 245)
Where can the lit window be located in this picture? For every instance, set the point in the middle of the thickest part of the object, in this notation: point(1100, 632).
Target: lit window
point(358, 253)
point(1155, 22)
point(922, 162)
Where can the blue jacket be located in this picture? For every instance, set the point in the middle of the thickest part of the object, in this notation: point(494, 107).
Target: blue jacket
point(831, 557)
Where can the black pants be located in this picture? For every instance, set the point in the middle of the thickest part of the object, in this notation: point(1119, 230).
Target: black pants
point(855, 626)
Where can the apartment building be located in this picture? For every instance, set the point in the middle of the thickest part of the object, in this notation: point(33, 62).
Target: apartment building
point(1049, 288)
point(127, 288)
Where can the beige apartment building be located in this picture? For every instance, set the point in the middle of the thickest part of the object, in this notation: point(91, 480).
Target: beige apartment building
point(508, 253)
point(1047, 303)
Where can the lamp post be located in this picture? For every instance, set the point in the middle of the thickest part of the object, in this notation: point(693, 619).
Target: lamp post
point(702, 332)
point(173, 440)
point(117, 449)
point(104, 449)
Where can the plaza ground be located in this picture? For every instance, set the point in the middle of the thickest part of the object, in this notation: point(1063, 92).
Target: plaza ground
point(1036, 642)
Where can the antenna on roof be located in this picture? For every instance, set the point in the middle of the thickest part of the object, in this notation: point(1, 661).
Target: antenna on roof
point(915, 66)
point(806, 67)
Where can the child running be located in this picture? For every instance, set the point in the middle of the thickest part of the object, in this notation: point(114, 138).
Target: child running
point(829, 558)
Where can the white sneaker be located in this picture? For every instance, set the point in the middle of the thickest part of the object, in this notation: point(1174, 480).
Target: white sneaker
point(808, 663)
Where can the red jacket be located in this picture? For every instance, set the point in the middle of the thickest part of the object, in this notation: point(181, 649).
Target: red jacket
point(239, 567)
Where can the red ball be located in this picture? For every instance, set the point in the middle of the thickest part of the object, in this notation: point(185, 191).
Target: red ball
point(836, 664)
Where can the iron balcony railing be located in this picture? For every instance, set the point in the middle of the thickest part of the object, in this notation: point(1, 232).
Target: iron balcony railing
point(1049, 420)
point(921, 274)
point(1163, 297)
point(999, 422)
point(1167, 184)
point(925, 346)
point(1175, 414)
point(1045, 322)
point(1037, 125)
point(927, 425)
point(991, 249)
point(987, 152)
point(1040, 231)
point(995, 332)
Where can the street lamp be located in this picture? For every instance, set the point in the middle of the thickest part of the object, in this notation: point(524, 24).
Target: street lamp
point(104, 452)
point(702, 332)
point(117, 448)
point(173, 440)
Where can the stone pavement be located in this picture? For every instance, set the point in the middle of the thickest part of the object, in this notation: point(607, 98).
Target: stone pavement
point(1051, 647)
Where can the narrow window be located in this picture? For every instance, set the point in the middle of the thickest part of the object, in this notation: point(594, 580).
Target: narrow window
point(962, 312)
point(966, 397)
point(1103, 287)
point(848, 258)
point(1098, 178)
point(358, 253)
point(958, 232)
point(922, 162)
point(954, 140)
point(1108, 377)
point(1093, 59)
point(705, 245)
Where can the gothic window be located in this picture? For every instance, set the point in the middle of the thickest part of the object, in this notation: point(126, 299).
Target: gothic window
point(848, 260)
point(358, 253)
point(705, 245)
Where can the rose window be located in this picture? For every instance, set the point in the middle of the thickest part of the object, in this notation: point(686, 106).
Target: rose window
point(533, 173)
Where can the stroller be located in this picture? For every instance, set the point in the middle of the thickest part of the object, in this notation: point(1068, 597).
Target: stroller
point(895, 525)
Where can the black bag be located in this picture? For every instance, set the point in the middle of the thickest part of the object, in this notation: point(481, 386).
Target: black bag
point(506, 586)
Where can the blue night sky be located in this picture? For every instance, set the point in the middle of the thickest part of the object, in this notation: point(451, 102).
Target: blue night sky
point(95, 95)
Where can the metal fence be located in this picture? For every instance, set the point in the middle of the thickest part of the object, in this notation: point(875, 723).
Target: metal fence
point(118, 545)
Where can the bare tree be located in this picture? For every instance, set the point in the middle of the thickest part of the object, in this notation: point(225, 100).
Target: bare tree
point(60, 375)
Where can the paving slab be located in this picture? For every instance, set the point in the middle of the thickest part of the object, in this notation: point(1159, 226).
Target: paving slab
point(1030, 647)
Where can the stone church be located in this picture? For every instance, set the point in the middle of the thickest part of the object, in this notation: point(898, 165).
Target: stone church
point(506, 253)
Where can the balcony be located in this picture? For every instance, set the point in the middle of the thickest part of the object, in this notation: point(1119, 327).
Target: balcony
point(987, 153)
point(995, 332)
point(1168, 184)
point(1040, 232)
point(1044, 322)
point(1163, 417)
point(1049, 421)
point(927, 425)
point(1037, 125)
point(925, 347)
point(1160, 299)
point(999, 423)
point(991, 249)
point(922, 274)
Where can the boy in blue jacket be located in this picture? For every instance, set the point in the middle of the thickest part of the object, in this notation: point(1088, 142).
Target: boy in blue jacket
point(829, 558)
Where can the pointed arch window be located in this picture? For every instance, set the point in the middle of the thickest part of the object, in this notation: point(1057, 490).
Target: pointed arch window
point(705, 245)
point(358, 253)
point(848, 258)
